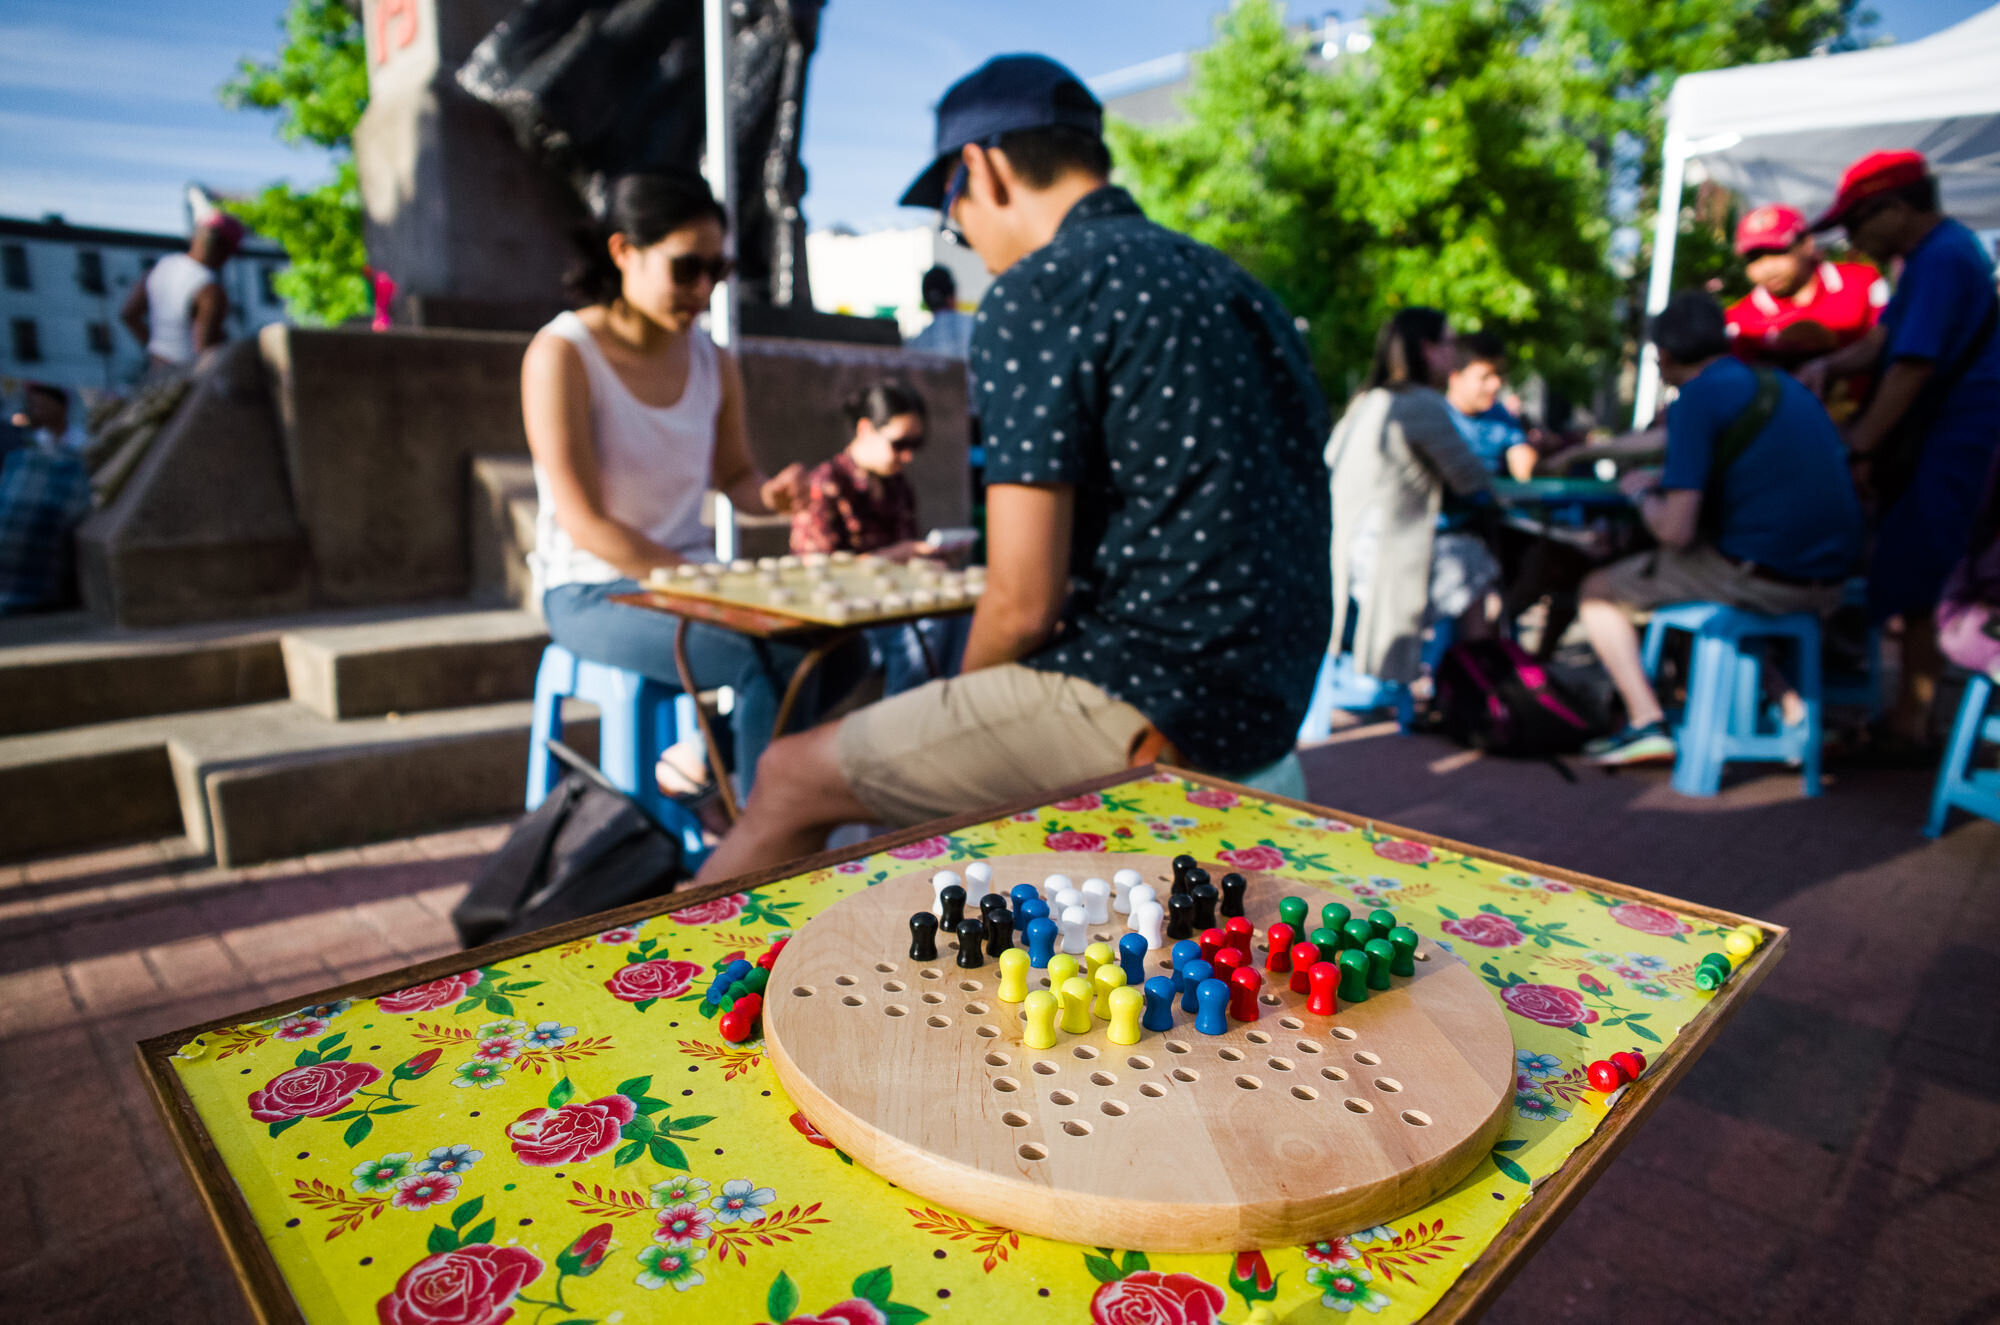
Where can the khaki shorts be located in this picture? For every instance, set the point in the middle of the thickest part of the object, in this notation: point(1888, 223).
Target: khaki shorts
point(1700, 573)
point(998, 734)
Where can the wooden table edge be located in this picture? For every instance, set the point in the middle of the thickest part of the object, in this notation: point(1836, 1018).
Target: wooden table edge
point(271, 1299)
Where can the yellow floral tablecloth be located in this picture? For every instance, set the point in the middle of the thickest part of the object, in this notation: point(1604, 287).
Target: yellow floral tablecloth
point(566, 1137)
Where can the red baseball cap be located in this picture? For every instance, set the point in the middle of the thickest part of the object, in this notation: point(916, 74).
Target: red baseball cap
point(1772, 227)
point(1878, 172)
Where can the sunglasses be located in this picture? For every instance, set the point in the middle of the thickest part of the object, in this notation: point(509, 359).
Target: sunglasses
point(907, 445)
point(688, 268)
point(954, 189)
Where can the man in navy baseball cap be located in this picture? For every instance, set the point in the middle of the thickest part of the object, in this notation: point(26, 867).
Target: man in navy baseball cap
point(1007, 94)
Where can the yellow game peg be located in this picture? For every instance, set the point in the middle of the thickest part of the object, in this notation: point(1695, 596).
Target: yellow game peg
point(1752, 932)
point(1126, 1005)
point(1108, 977)
point(1061, 967)
point(1075, 995)
point(1738, 944)
point(1095, 957)
point(1013, 975)
point(1041, 1032)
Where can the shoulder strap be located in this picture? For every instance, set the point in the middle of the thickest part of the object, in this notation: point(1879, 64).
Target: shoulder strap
point(1735, 439)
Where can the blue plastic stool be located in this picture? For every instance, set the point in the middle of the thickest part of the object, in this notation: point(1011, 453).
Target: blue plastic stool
point(637, 719)
point(1959, 785)
point(1340, 688)
point(1863, 691)
point(1726, 717)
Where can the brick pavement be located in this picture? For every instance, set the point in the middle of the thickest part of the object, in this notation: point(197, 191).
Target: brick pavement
point(1835, 1157)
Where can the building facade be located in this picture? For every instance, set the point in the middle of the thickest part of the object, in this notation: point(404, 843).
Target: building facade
point(61, 287)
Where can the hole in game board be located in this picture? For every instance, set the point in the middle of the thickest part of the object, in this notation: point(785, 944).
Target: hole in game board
point(1306, 1047)
point(1046, 1068)
point(843, 979)
point(1032, 1152)
point(884, 967)
point(937, 1023)
point(1343, 1033)
point(1084, 1051)
point(1164, 965)
point(1014, 1118)
point(988, 1032)
point(1304, 1093)
point(1291, 1023)
point(1177, 1046)
point(893, 986)
point(1279, 1064)
point(1333, 1074)
point(1367, 1059)
point(1139, 1061)
point(1100, 938)
point(1229, 1054)
point(1151, 1091)
point(1416, 1119)
point(1006, 1085)
point(968, 986)
point(1186, 1074)
point(1249, 1083)
point(851, 1001)
point(1422, 956)
point(1061, 1097)
point(1045, 982)
point(1270, 1000)
point(1103, 1079)
point(1076, 1127)
point(1258, 1037)
point(897, 1010)
point(1358, 1106)
point(976, 1009)
point(932, 998)
point(997, 1059)
point(1388, 1085)
point(1113, 1109)
point(931, 973)
point(803, 991)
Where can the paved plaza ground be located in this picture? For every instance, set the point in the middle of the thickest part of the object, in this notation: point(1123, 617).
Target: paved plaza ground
point(1835, 1157)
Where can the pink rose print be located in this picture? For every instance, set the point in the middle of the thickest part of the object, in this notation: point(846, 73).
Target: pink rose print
point(1212, 798)
point(924, 850)
point(428, 997)
point(1088, 801)
point(1649, 919)
point(1547, 1004)
point(659, 978)
point(615, 936)
point(499, 1049)
point(712, 912)
point(1404, 853)
point(311, 1092)
point(421, 1191)
point(682, 1223)
point(854, 1311)
point(471, 1286)
point(301, 1028)
point(544, 1138)
point(1069, 840)
point(1253, 858)
point(1485, 929)
point(1148, 1297)
point(1330, 1253)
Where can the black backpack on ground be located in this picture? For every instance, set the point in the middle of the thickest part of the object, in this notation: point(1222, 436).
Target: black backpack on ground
point(1493, 696)
point(587, 848)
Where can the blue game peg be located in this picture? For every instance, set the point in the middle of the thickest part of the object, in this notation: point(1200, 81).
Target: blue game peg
point(1032, 909)
point(1191, 976)
point(1213, 1016)
point(1041, 935)
point(1023, 892)
point(1159, 1004)
point(1185, 951)
point(1132, 956)
point(731, 973)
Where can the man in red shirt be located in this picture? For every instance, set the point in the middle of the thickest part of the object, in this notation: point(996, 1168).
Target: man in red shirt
point(1802, 307)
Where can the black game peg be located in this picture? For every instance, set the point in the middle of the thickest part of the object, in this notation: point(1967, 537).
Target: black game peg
point(969, 934)
point(1182, 864)
point(1232, 894)
point(923, 937)
point(1196, 878)
point(1205, 899)
point(952, 903)
point(999, 931)
point(993, 902)
point(1180, 916)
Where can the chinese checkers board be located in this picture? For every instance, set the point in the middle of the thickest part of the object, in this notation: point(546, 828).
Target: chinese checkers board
point(1281, 1130)
point(826, 589)
point(549, 1129)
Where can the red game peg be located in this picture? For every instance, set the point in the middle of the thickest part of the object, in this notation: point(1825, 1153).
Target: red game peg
point(1244, 986)
point(1281, 937)
point(1325, 979)
point(1303, 957)
point(1605, 1077)
point(1630, 1063)
point(1211, 941)
point(1227, 960)
point(1238, 933)
point(771, 955)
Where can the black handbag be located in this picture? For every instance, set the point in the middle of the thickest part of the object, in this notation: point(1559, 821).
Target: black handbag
point(588, 848)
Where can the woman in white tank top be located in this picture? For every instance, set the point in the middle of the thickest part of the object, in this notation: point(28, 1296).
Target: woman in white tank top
point(632, 415)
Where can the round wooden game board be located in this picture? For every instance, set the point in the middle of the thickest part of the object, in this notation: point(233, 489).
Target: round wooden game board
point(1282, 1131)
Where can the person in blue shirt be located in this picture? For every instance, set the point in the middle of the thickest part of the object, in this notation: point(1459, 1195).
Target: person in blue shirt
point(1930, 434)
point(1776, 529)
point(1472, 389)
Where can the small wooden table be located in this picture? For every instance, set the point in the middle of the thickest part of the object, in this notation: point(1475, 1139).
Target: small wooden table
point(553, 1122)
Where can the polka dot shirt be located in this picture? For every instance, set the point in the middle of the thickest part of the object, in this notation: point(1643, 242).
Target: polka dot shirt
point(1170, 389)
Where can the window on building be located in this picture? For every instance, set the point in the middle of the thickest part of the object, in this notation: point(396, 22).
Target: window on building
point(90, 271)
point(27, 341)
point(100, 337)
point(14, 258)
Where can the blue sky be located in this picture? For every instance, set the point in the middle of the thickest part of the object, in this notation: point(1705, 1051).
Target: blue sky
point(107, 107)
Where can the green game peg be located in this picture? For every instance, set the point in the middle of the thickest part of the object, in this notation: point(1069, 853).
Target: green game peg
point(1327, 940)
point(1380, 955)
point(1709, 978)
point(1292, 910)
point(1335, 914)
point(754, 982)
point(1355, 934)
point(1381, 921)
point(1404, 940)
point(1353, 976)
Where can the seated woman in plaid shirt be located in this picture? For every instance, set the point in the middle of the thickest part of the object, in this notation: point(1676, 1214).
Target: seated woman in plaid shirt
point(859, 501)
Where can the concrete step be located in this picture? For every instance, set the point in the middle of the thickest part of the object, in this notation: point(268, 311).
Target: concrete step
point(414, 664)
point(266, 781)
point(69, 670)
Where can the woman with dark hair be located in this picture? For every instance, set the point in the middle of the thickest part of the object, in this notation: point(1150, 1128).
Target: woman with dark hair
point(1392, 456)
point(633, 414)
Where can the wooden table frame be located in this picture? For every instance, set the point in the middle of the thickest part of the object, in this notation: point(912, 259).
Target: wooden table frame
point(1469, 1295)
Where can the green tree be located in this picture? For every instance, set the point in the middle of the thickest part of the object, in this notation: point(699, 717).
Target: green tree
point(318, 84)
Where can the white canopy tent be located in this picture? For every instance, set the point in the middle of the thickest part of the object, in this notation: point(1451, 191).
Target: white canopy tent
point(1784, 132)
